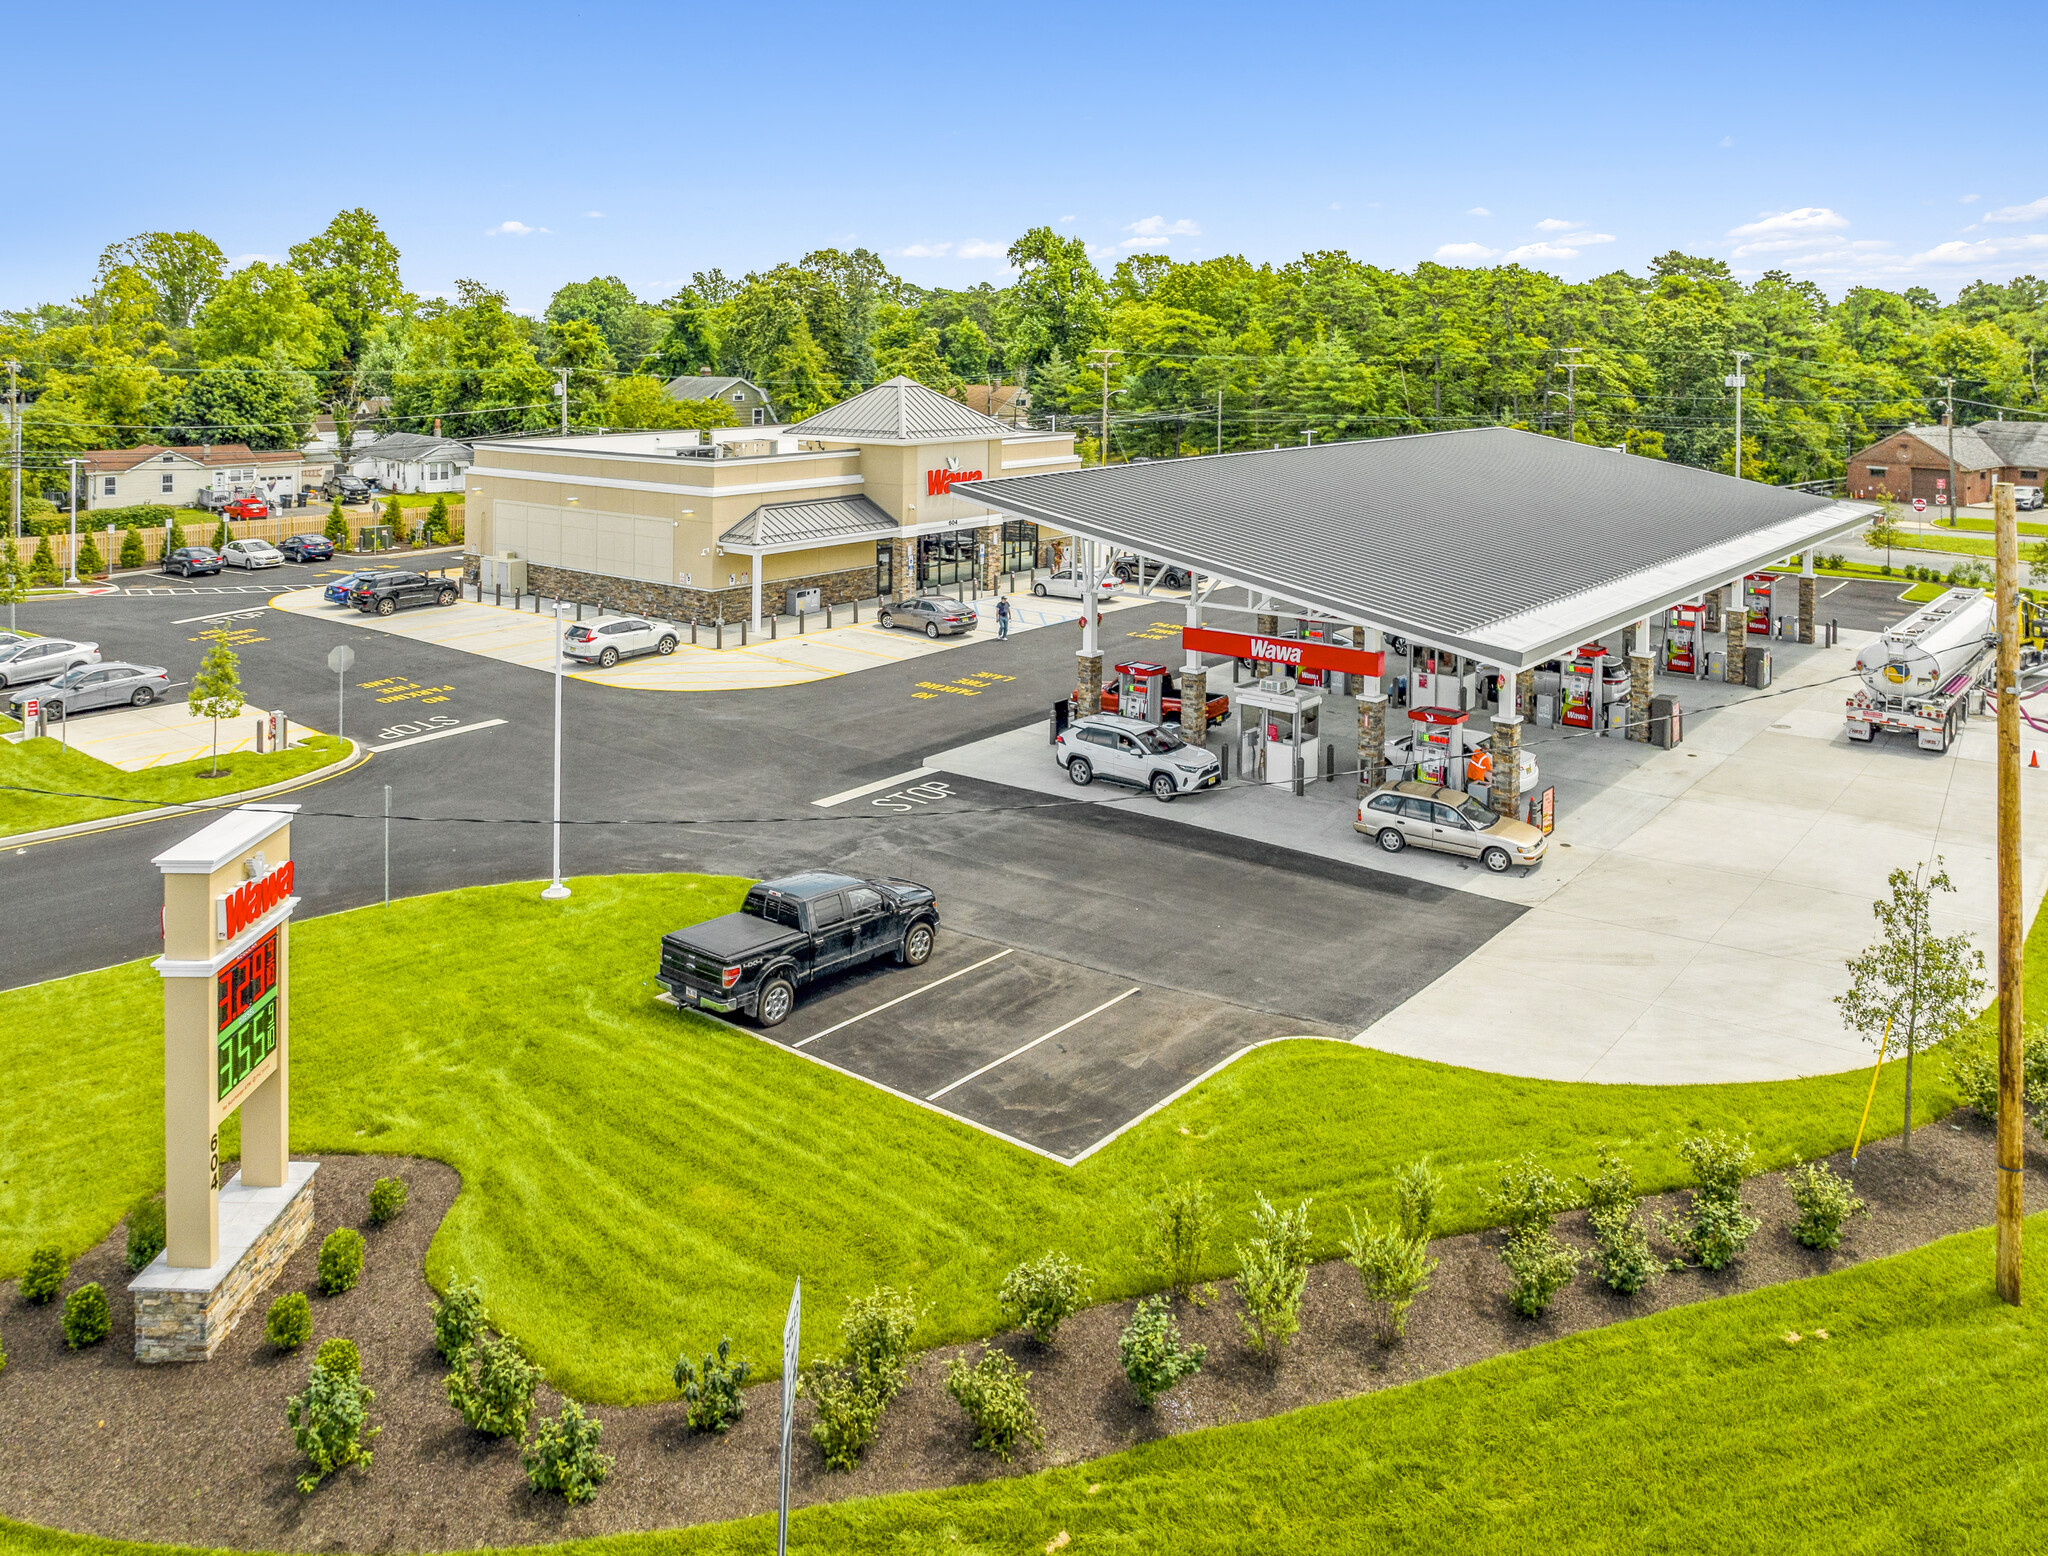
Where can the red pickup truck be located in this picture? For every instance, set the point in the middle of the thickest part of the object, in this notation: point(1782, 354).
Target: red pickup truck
point(1169, 700)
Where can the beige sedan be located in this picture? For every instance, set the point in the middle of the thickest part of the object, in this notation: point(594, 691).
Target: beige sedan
point(1430, 815)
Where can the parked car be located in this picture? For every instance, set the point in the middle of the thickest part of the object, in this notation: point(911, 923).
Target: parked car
point(306, 548)
point(187, 560)
point(791, 932)
point(1150, 756)
point(1167, 573)
point(932, 614)
point(339, 591)
point(1066, 584)
point(37, 659)
point(2026, 497)
point(245, 508)
point(349, 488)
point(388, 592)
point(96, 686)
point(611, 638)
point(1429, 815)
point(251, 554)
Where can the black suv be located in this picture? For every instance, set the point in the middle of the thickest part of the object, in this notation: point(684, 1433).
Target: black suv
point(790, 932)
point(349, 488)
point(387, 592)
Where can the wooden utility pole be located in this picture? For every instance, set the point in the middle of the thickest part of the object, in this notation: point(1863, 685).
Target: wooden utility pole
point(1105, 359)
point(2011, 959)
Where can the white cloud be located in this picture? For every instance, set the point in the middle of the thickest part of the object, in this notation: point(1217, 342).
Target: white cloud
point(1479, 210)
point(1466, 251)
point(1808, 248)
point(1156, 232)
point(1727, 140)
point(981, 248)
point(1553, 224)
point(927, 251)
point(249, 259)
point(1807, 219)
point(1968, 199)
point(1529, 251)
point(1957, 252)
point(2033, 210)
point(1335, 206)
point(1065, 219)
point(593, 216)
point(512, 229)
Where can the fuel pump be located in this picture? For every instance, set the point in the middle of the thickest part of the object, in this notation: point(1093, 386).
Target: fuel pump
point(1580, 687)
point(1684, 637)
point(1137, 691)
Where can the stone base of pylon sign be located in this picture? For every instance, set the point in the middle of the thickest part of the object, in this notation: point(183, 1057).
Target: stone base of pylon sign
point(186, 1315)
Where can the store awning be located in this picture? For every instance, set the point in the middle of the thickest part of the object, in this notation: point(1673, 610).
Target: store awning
point(1505, 546)
point(798, 526)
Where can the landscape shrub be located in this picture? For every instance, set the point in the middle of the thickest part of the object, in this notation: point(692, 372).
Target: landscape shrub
point(878, 1330)
point(222, 534)
point(436, 527)
point(341, 1260)
point(44, 1277)
point(1826, 1201)
point(1418, 1190)
point(1712, 1233)
point(339, 1355)
point(145, 1233)
point(387, 1199)
point(289, 1324)
point(993, 1394)
point(1183, 1219)
point(1540, 1265)
point(174, 534)
point(847, 1412)
point(90, 563)
point(1040, 1294)
point(87, 1318)
point(713, 1388)
point(564, 1457)
point(493, 1385)
point(132, 553)
point(336, 527)
point(330, 1424)
point(1974, 1071)
point(3, 1358)
point(1394, 1269)
point(42, 567)
point(459, 1318)
point(1621, 1243)
point(1530, 1196)
point(1151, 1352)
point(1272, 1275)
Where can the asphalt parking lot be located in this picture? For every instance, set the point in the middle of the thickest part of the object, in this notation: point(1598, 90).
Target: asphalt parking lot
point(1048, 1054)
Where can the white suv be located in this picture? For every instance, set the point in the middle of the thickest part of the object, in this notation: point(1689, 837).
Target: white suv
point(611, 638)
point(1150, 756)
point(2026, 497)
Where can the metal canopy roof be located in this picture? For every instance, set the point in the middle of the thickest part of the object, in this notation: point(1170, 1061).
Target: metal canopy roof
point(899, 410)
point(1500, 544)
point(818, 521)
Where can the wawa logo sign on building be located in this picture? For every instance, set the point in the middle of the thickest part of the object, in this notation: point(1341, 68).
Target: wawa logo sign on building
point(939, 483)
point(248, 902)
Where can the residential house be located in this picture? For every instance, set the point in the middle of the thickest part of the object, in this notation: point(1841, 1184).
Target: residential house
point(746, 400)
point(415, 462)
point(176, 476)
point(324, 444)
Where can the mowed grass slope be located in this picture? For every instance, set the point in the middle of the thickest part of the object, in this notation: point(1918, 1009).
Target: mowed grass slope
point(38, 779)
point(636, 1181)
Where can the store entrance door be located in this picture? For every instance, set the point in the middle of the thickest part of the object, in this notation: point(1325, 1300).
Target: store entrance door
point(944, 560)
point(885, 569)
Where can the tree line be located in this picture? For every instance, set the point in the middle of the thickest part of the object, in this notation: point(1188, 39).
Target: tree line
point(171, 344)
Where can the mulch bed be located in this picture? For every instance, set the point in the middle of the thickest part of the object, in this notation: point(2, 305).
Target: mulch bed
point(200, 1454)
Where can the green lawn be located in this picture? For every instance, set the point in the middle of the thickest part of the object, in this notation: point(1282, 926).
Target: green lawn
point(635, 1180)
point(31, 769)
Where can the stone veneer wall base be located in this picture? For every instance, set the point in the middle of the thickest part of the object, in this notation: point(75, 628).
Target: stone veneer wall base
point(185, 1314)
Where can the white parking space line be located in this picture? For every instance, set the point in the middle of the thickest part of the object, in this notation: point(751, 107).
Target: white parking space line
point(899, 999)
point(439, 734)
point(872, 788)
point(1006, 1058)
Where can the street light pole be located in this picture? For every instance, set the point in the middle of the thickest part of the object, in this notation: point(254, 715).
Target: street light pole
point(14, 439)
point(71, 562)
point(1735, 381)
point(556, 891)
point(1949, 384)
point(562, 389)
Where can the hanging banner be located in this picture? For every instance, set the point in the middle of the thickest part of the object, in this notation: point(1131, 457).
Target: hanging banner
point(1303, 655)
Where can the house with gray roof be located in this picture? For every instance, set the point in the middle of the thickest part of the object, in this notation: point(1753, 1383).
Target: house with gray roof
point(1914, 462)
point(747, 401)
point(415, 462)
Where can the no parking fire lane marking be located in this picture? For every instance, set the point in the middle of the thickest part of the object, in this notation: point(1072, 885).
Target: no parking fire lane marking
point(972, 685)
point(398, 688)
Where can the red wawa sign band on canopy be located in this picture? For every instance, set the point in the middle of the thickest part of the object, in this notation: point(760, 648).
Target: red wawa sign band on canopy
point(1300, 653)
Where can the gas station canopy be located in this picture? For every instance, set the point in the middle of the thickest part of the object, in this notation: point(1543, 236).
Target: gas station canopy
point(1502, 545)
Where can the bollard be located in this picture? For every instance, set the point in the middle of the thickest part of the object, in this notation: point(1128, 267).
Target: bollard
point(1297, 773)
point(773, 623)
point(720, 643)
point(856, 613)
point(743, 632)
point(498, 595)
point(693, 632)
point(579, 615)
point(800, 619)
point(828, 615)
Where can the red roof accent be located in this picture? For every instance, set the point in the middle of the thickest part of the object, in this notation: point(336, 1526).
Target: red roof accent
point(100, 459)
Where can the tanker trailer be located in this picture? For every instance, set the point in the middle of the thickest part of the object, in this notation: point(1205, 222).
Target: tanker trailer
point(1917, 677)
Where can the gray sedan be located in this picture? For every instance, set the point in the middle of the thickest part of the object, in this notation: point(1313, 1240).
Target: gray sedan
point(96, 686)
point(930, 614)
point(37, 659)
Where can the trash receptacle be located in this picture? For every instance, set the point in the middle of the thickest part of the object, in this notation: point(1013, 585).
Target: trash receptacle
point(1756, 668)
point(1667, 727)
point(795, 601)
point(1062, 715)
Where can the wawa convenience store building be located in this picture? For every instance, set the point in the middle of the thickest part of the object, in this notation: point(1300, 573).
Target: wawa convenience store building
point(855, 502)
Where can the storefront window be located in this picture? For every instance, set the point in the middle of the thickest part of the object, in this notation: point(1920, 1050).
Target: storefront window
point(885, 583)
point(944, 560)
point(1020, 546)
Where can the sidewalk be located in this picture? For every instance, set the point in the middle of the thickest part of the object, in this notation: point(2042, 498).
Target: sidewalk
point(160, 735)
point(790, 658)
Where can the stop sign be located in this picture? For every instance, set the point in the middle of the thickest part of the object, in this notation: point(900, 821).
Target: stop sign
point(1919, 504)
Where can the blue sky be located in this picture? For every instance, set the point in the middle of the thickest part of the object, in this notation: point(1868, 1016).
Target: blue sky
point(529, 145)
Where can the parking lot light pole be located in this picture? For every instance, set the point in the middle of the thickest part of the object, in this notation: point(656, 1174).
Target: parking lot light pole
point(71, 563)
point(556, 891)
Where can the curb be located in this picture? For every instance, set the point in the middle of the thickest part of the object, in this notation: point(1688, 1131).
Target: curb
point(357, 755)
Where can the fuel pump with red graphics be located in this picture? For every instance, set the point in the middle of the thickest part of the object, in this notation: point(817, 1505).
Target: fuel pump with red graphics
point(1685, 640)
point(1579, 687)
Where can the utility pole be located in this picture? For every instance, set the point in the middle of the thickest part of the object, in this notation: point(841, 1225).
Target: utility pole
point(1104, 353)
point(562, 389)
point(2011, 989)
point(71, 563)
point(1949, 384)
point(1219, 421)
point(1571, 392)
point(1735, 381)
point(14, 440)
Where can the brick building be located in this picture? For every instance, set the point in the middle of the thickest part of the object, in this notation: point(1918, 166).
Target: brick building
point(1914, 462)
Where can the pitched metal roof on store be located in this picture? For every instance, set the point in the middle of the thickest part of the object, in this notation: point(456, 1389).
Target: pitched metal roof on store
point(900, 410)
point(819, 521)
point(1504, 545)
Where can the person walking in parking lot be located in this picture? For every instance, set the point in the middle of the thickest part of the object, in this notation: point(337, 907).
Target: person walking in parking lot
point(1002, 618)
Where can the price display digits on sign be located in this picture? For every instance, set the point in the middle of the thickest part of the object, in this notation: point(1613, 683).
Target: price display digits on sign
point(245, 998)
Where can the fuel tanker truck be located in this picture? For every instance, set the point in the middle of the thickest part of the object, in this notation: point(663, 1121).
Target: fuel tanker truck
point(1918, 676)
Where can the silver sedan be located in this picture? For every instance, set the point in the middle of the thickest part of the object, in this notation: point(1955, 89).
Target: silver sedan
point(95, 686)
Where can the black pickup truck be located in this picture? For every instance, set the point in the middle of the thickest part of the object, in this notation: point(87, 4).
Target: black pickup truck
point(791, 932)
